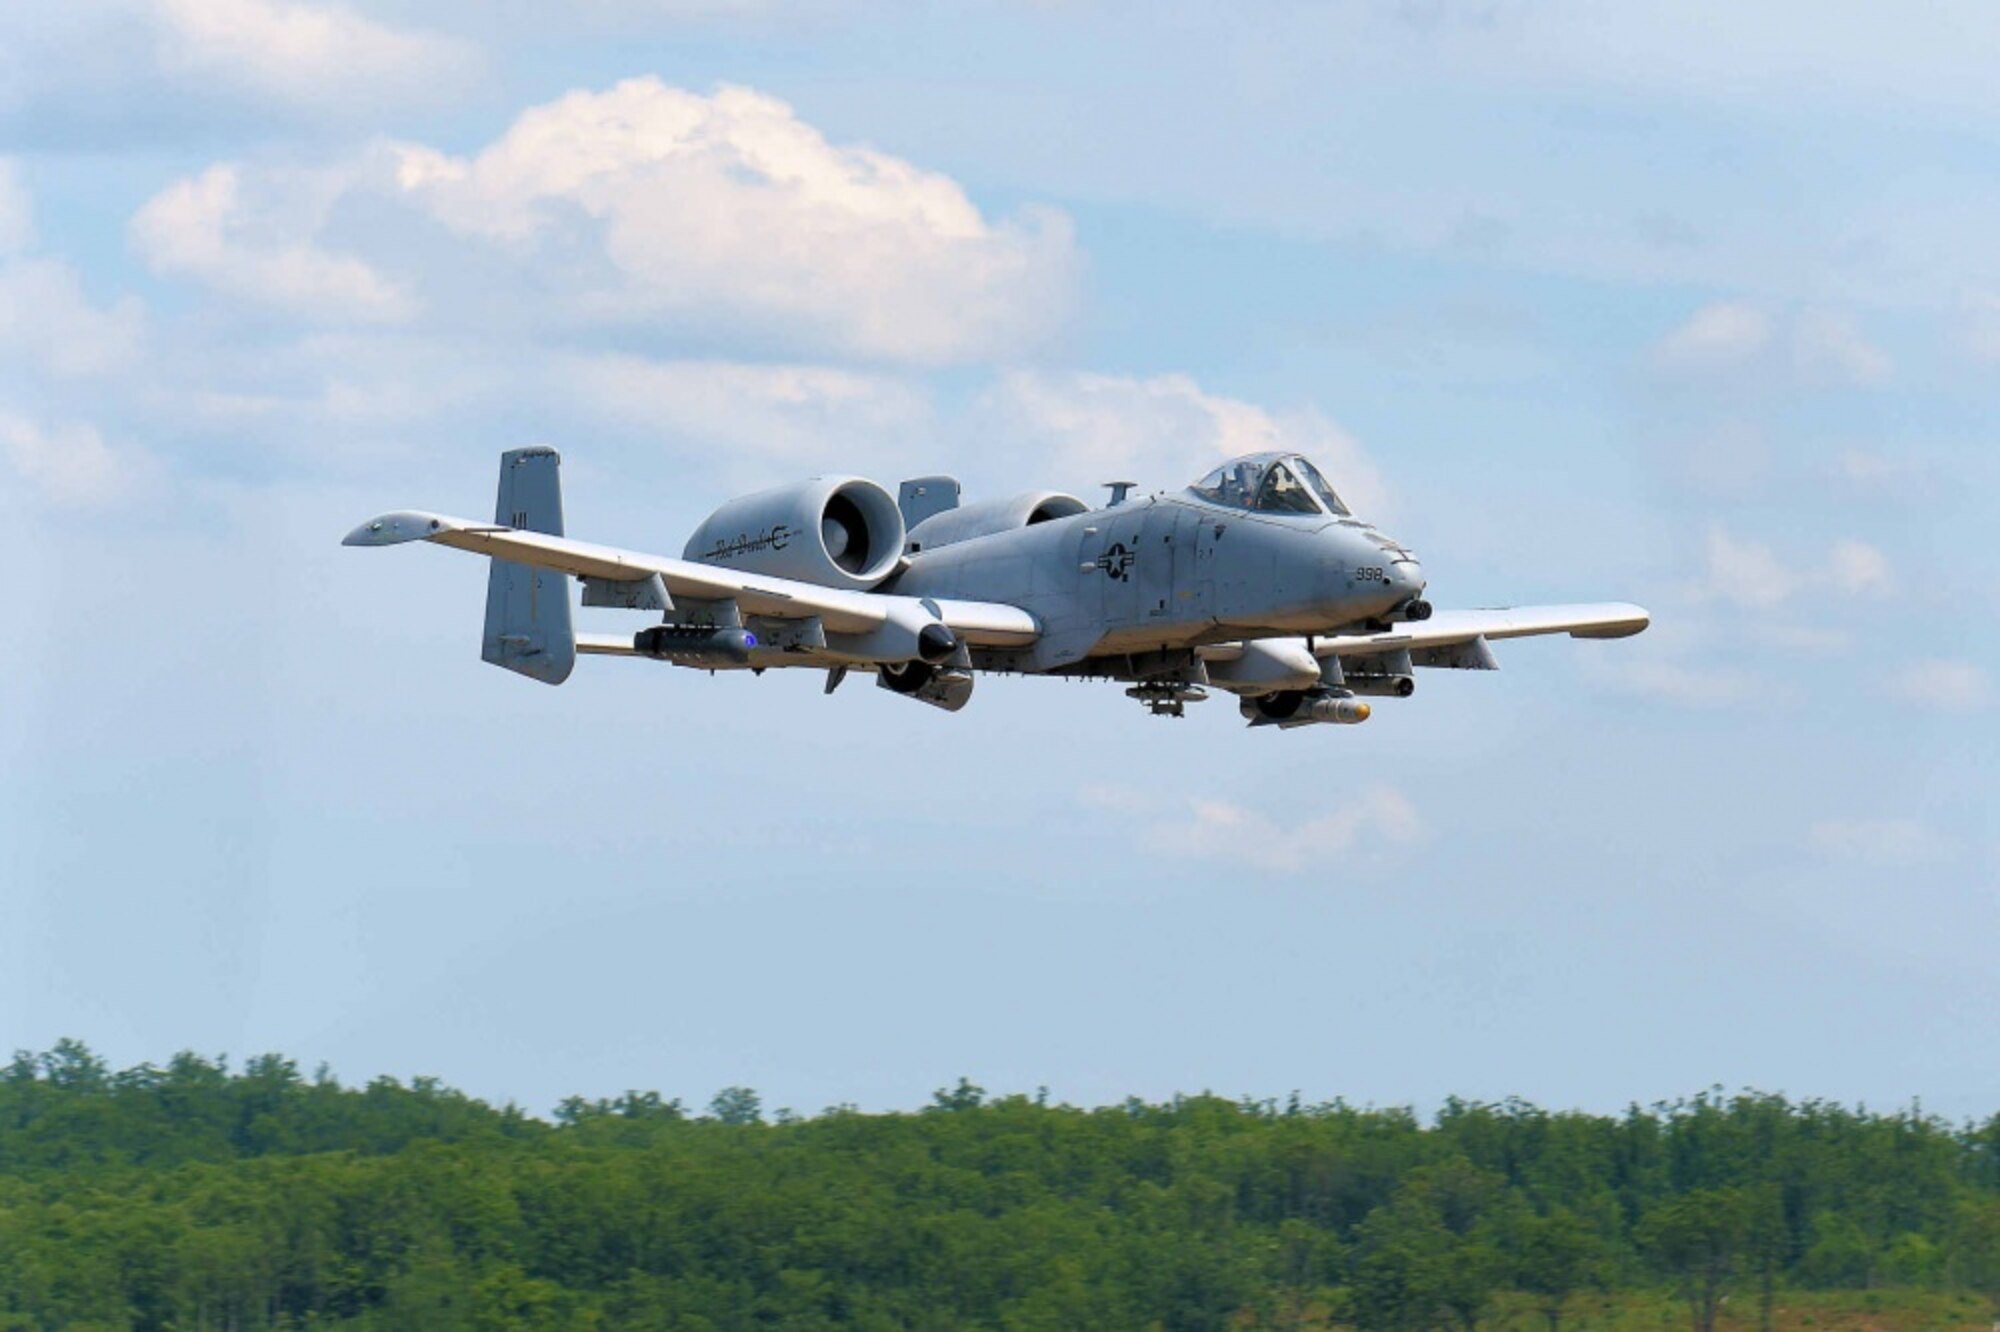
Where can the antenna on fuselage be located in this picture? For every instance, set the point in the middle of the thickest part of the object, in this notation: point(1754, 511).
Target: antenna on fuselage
point(1119, 490)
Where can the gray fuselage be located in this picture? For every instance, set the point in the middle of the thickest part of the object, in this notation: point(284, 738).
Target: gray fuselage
point(1171, 571)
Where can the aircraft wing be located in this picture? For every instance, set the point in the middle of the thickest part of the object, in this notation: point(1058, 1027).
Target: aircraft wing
point(1449, 629)
point(979, 623)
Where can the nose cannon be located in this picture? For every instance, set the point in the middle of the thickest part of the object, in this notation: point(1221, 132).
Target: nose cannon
point(1406, 578)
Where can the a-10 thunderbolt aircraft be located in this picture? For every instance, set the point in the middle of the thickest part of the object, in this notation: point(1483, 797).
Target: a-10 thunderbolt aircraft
point(1256, 580)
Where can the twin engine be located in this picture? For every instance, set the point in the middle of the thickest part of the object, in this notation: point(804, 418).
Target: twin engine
point(847, 532)
point(833, 531)
point(987, 517)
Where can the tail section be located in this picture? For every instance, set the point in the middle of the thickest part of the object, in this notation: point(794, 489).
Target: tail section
point(528, 626)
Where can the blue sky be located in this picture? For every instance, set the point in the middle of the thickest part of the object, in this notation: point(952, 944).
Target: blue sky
point(1691, 305)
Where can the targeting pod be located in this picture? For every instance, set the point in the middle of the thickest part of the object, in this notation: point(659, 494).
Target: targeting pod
point(1297, 708)
point(1343, 711)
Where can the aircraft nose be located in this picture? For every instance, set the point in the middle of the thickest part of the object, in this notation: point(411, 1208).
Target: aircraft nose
point(1406, 575)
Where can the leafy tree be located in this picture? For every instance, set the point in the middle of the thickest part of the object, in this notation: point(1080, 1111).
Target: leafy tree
point(194, 1194)
point(1554, 1256)
point(1430, 1254)
point(965, 1096)
point(737, 1106)
point(1975, 1248)
point(1699, 1239)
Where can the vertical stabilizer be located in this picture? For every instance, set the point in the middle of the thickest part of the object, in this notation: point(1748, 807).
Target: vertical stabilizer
point(527, 610)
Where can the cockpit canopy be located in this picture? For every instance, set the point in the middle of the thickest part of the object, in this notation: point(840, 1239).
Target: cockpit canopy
point(1270, 483)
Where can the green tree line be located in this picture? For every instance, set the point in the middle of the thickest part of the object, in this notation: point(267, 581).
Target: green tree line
point(191, 1196)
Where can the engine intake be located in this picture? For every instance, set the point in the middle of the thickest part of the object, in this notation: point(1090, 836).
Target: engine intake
point(833, 531)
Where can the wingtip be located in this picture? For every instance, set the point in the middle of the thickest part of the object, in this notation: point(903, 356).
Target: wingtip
point(1623, 620)
point(392, 529)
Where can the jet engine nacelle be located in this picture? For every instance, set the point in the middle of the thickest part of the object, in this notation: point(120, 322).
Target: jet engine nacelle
point(990, 516)
point(833, 531)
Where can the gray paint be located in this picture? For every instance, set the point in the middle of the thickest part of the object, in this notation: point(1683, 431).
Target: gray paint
point(1258, 588)
point(528, 626)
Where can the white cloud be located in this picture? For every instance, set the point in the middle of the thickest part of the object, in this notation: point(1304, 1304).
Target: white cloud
point(69, 464)
point(1751, 575)
point(1217, 830)
point(1745, 573)
point(1827, 346)
point(46, 318)
point(293, 51)
point(1162, 432)
point(256, 241)
point(793, 417)
point(1738, 336)
point(1948, 686)
point(730, 208)
point(1874, 475)
point(1857, 567)
point(17, 213)
point(1887, 843)
point(1724, 333)
point(1373, 819)
point(1676, 682)
point(643, 207)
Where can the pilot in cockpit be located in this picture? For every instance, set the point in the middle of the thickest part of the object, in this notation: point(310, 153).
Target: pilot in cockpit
point(1270, 483)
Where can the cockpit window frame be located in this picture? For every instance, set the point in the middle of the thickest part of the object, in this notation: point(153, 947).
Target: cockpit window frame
point(1282, 491)
point(1249, 484)
point(1224, 486)
point(1315, 481)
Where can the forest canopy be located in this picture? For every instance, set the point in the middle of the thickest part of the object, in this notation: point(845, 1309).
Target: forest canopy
point(193, 1195)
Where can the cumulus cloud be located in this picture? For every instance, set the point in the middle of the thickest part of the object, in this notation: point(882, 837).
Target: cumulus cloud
point(68, 464)
point(124, 71)
point(1886, 843)
point(1751, 575)
point(1734, 337)
point(1948, 686)
point(648, 207)
point(256, 239)
point(1374, 819)
point(759, 417)
point(1828, 346)
point(1746, 573)
point(1857, 567)
point(1874, 476)
point(1724, 333)
point(1162, 431)
point(45, 317)
point(1678, 682)
point(289, 50)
